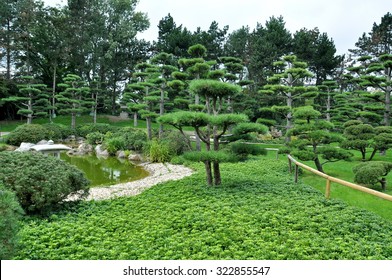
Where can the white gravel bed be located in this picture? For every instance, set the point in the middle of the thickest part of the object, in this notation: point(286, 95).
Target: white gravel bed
point(159, 173)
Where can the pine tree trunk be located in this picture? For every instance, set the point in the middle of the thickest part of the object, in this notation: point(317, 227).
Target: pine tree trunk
point(329, 108)
point(73, 120)
point(373, 154)
point(217, 174)
point(135, 119)
point(383, 182)
point(388, 91)
point(161, 111)
point(318, 164)
point(289, 116)
point(53, 111)
point(207, 164)
point(149, 130)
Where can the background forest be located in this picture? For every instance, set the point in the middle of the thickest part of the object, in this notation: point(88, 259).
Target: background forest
point(85, 58)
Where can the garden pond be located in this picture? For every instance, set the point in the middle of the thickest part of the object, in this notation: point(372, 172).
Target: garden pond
point(106, 171)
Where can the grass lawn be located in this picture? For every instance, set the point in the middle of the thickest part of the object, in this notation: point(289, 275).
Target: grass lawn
point(66, 120)
point(258, 213)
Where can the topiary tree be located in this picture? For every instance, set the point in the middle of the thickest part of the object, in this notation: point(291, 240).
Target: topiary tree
point(40, 182)
point(75, 98)
point(210, 127)
point(288, 83)
point(32, 101)
point(314, 138)
point(10, 213)
point(359, 137)
point(363, 137)
point(372, 173)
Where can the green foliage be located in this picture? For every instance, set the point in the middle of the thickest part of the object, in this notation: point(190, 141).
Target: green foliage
point(212, 88)
point(257, 213)
point(10, 214)
point(212, 156)
point(158, 151)
point(243, 150)
point(31, 133)
point(58, 131)
point(103, 128)
point(372, 173)
point(40, 182)
point(114, 144)
point(176, 142)
point(134, 139)
point(95, 138)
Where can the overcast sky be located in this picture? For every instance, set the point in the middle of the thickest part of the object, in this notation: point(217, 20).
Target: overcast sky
point(343, 20)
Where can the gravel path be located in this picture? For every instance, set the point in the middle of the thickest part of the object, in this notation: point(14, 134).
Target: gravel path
point(159, 173)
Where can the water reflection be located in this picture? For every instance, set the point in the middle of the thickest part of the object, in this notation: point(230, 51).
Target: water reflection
point(108, 171)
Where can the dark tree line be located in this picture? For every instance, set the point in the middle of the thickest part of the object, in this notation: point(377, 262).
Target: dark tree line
point(96, 40)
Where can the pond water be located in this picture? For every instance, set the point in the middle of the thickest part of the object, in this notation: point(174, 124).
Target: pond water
point(106, 171)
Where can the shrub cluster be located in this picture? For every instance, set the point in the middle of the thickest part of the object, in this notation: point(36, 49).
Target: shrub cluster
point(40, 182)
point(103, 128)
point(10, 213)
point(33, 133)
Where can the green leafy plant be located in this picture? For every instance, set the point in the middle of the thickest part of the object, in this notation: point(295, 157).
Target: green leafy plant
point(256, 213)
point(10, 214)
point(31, 133)
point(95, 138)
point(158, 151)
point(40, 182)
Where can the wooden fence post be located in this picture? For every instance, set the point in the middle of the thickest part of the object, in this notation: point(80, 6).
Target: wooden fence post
point(328, 189)
point(296, 174)
point(290, 166)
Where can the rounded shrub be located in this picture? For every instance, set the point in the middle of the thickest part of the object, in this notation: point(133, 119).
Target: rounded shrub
point(10, 214)
point(31, 133)
point(176, 142)
point(40, 182)
point(95, 138)
point(58, 131)
point(134, 139)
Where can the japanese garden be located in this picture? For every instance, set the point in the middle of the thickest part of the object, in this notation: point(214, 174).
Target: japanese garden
point(118, 148)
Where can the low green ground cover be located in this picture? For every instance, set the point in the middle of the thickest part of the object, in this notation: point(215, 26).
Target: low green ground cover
point(257, 213)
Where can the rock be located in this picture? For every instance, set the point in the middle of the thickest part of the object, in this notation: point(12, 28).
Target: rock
point(101, 153)
point(42, 142)
point(121, 154)
point(135, 157)
point(85, 149)
point(24, 147)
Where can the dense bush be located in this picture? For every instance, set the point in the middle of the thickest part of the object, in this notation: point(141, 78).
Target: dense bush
point(40, 182)
point(95, 138)
point(157, 151)
point(10, 213)
point(103, 128)
point(114, 144)
point(58, 131)
point(175, 141)
point(257, 213)
point(134, 139)
point(31, 133)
